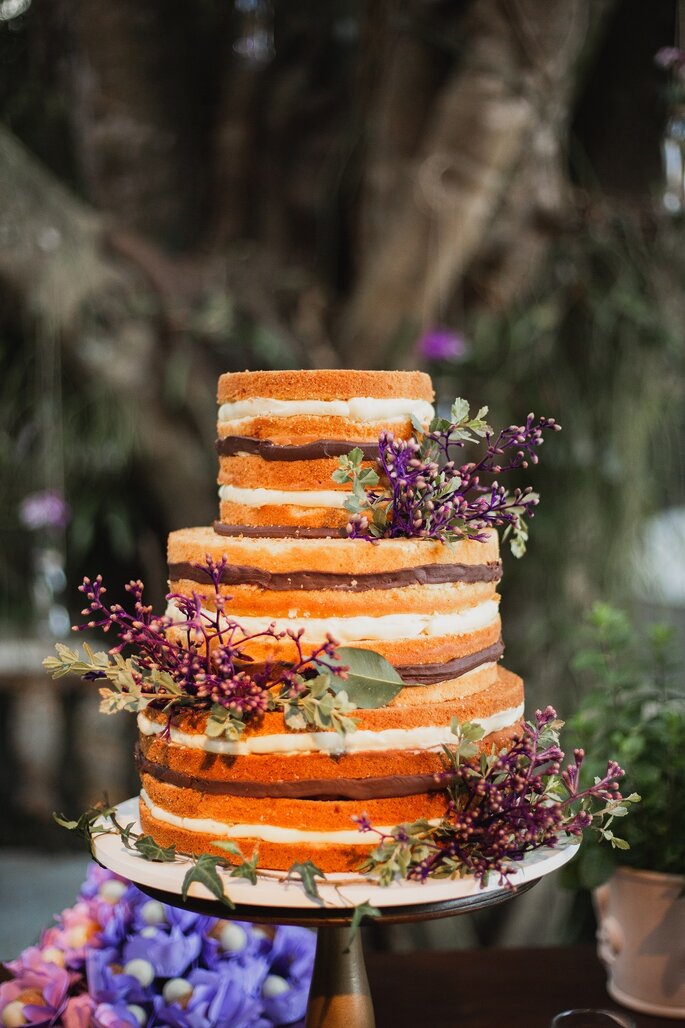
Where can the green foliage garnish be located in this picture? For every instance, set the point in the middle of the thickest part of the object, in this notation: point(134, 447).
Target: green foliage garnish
point(204, 871)
point(307, 872)
point(212, 671)
point(247, 868)
point(371, 681)
point(362, 912)
point(89, 823)
point(500, 808)
point(424, 493)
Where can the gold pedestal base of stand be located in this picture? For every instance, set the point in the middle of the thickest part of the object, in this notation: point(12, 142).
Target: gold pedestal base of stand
point(339, 996)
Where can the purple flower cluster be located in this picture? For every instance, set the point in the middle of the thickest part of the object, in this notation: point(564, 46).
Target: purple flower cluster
point(204, 655)
point(442, 344)
point(427, 494)
point(501, 808)
point(46, 509)
point(119, 958)
point(670, 58)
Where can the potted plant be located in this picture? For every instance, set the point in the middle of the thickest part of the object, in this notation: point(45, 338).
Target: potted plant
point(634, 710)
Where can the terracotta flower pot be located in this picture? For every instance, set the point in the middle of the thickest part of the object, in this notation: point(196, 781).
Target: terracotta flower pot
point(641, 940)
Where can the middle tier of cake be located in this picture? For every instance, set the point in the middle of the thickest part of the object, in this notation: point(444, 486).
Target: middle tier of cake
point(432, 610)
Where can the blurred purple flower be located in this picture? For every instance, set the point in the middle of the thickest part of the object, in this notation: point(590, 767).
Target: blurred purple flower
point(169, 952)
point(46, 509)
point(669, 57)
point(442, 344)
point(108, 984)
point(284, 1002)
point(78, 1012)
point(114, 1015)
point(128, 951)
point(224, 996)
point(38, 992)
point(292, 953)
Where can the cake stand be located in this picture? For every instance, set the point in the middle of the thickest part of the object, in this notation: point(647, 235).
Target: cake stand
point(339, 996)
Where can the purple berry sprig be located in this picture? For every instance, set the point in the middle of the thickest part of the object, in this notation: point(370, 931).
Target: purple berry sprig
point(500, 808)
point(201, 658)
point(425, 493)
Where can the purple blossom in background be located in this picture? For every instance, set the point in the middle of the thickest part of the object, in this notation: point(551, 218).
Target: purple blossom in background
point(442, 344)
point(46, 509)
point(118, 958)
point(669, 57)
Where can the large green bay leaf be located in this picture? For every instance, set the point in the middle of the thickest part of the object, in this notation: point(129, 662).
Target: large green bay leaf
point(371, 682)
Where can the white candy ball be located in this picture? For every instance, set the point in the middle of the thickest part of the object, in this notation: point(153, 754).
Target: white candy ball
point(152, 912)
point(112, 891)
point(13, 1014)
point(138, 1013)
point(142, 970)
point(77, 936)
point(176, 989)
point(149, 932)
point(233, 938)
point(274, 986)
point(52, 955)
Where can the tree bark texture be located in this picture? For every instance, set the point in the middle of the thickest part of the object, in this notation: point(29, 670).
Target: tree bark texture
point(501, 111)
point(352, 187)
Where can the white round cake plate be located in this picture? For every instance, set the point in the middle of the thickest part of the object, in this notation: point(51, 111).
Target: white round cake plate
point(336, 890)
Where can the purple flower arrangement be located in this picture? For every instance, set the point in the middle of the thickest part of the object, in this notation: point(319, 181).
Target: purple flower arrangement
point(119, 958)
point(201, 659)
point(500, 808)
point(425, 493)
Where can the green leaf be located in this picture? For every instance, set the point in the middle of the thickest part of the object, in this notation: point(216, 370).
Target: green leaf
point(204, 871)
point(150, 850)
point(459, 410)
point(215, 727)
point(417, 424)
point(87, 824)
point(294, 717)
point(361, 911)
point(371, 681)
point(230, 847)
point(307, 872)
point(247, 868)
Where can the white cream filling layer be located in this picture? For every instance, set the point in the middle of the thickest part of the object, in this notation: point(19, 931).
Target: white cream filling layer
point(358, 408)
point(280, 497)
point(265, 833)
point(429, 737)
point(386, 627)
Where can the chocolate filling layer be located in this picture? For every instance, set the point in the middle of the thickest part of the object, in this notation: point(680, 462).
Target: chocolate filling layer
point(430, 674)
point(278, 531)
point(423, 574)
point(306, 789)
point(264, 448)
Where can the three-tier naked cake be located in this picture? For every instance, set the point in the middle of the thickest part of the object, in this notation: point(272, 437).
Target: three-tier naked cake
point(431, 609)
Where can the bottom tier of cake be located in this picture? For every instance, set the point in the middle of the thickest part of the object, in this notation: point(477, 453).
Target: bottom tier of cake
point(296, 795)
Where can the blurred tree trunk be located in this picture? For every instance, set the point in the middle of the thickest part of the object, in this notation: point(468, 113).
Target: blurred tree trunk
point(385, 158)
point(131, 104)
point(109, 320)
point(500, 115)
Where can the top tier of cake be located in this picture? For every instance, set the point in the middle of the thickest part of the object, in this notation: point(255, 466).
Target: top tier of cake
point(280, 434)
